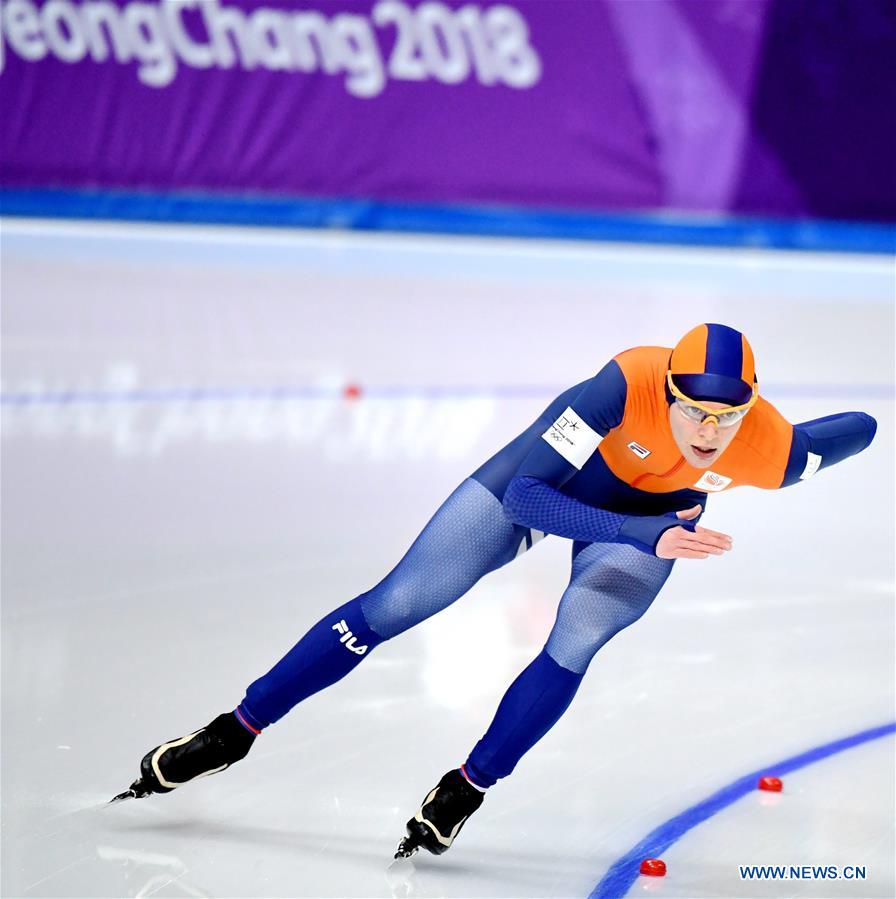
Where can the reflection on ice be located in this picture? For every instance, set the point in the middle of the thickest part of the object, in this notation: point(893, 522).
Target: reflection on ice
point(401, 876)
point(135, 421)
point(139, 864)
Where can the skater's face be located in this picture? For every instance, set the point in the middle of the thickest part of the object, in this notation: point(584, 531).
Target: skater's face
point(701, 443)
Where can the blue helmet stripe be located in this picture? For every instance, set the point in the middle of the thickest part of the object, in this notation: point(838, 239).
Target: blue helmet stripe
point(714, 388)
point(724, 351)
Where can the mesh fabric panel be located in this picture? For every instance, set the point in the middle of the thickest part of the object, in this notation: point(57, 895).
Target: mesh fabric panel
point(611, 587)
point(535, 504)
point(468, 537)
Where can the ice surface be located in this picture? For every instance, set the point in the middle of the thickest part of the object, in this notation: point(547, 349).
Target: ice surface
point(184, 493)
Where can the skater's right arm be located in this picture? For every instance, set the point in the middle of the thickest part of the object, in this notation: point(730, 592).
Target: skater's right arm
point(533, 498)
point(535, 504)
point(570, 441)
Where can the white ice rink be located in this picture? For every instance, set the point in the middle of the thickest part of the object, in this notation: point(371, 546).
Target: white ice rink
point(185, 491)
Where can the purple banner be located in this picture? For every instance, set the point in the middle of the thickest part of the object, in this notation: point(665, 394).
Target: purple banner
point(770, 107)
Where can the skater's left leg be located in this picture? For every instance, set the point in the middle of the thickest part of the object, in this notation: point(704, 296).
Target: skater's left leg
point(611, 587)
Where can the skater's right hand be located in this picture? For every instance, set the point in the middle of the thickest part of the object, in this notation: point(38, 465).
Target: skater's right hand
point(679, 543)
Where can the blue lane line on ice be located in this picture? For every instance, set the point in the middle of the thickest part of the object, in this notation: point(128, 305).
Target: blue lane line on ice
point(279, 394)
point(464, 219)
point(624, 872)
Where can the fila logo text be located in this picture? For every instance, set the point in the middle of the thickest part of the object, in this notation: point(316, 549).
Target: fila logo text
point(348, 639)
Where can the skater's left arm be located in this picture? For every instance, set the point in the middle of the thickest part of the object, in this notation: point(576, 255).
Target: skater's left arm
point(823, 442)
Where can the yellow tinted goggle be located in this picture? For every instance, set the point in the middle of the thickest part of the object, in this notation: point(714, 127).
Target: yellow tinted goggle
point(725, 417)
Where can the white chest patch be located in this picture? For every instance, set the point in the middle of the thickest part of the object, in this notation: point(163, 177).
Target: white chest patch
point(640, 451)
point(712, 482)
point(572, 438)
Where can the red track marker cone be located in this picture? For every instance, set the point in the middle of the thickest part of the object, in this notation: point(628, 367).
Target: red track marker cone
point(653, 867)
point(771, 784)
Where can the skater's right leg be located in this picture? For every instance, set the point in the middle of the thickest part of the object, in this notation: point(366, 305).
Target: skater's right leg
point(468, 537)
point(339, 642)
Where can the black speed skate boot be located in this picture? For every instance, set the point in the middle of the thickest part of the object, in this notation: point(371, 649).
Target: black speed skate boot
point(439, 820)
point(206, 751)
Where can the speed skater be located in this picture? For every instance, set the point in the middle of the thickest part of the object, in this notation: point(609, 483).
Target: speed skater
point(622, 464)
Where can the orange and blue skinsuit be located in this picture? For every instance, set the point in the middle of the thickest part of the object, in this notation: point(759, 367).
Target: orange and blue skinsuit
point(599, 466)
point(607, 447)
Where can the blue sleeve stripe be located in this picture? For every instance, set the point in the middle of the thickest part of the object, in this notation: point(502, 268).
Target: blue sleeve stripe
point(605, 398)
point(796, 461)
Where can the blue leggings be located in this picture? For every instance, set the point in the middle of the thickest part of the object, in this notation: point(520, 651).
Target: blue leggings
point(611, 586)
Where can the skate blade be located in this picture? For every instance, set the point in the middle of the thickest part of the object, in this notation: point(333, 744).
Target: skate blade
point(406, 847)
point(135, 791)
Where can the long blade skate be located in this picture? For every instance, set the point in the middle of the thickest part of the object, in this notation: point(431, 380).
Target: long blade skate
point(441, 816)
point(407, 846)
point(210, 749)
point(137, 790)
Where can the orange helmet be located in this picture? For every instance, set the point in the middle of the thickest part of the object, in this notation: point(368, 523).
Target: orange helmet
point(714, 363)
